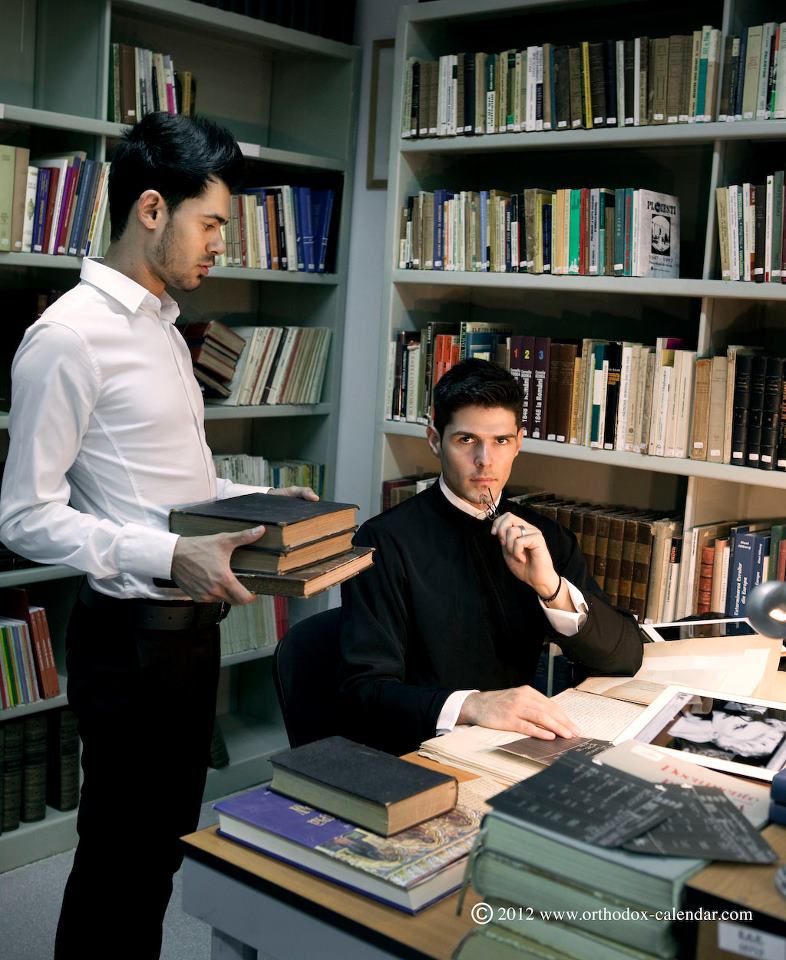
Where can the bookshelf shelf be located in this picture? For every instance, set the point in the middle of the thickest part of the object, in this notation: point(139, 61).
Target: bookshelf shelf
point(673, 134)
point(630, 286)
point(13, 713)
point(17, 578)
point(218, 412)
point(41, 838)
point(61, 262)
point(617, 458)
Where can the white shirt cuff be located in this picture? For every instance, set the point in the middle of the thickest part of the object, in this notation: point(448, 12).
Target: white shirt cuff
point(450, 711)
point(145, 551)
point(566, 622)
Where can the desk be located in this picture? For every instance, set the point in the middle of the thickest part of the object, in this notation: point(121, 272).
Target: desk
point(261, 908)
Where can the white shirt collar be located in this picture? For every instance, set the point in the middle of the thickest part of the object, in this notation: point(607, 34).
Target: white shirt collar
point(127, 292)
point(463, 505)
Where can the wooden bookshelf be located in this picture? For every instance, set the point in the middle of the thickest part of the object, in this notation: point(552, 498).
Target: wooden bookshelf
point(291, 100)
point(691, 160)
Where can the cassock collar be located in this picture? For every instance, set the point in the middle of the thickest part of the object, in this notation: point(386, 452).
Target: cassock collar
point(462, 505)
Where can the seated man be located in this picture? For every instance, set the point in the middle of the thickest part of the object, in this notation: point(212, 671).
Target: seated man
point(448, 625)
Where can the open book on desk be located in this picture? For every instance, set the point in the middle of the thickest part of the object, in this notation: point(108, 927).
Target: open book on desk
point(738, 666)
point(478, 748)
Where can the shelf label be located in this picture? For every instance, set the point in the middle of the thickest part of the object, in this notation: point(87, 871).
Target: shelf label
point(749, 942)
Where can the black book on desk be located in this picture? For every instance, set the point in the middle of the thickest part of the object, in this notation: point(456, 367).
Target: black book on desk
point(363, 785)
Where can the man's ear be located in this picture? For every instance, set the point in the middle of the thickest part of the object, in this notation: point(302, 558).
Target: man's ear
point(434, 442)
point(519, 439)
point(150, 208)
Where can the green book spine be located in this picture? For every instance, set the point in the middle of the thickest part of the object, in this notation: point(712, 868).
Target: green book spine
point(574, 247)
point(619, 231)
point(777, 221)
point(9, 662)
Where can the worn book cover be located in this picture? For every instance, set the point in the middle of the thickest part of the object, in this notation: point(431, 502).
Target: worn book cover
point(289, 521)
point(367, 786)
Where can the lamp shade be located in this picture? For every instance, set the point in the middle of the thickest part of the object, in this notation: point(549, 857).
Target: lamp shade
point(766, 608)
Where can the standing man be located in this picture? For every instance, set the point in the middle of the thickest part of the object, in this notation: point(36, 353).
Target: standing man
point(106, 435)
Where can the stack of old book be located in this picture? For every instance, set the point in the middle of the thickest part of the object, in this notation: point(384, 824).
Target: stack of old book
point(556, 895)
point(306, 547)
point(407, 833)
point(215, 351)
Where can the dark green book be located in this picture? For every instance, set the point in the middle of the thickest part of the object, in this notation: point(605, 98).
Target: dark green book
point(12, 779)
point(62, 760)
point(34, 769)
point(363, 785)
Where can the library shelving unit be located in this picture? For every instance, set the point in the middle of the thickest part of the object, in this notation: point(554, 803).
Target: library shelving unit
point(290, 98)
point(688, 160)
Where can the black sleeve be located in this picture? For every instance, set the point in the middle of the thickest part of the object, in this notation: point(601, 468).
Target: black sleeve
point(609, 642)
point(379, 707)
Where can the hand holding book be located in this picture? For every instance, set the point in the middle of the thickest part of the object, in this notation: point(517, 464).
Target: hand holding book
point(200, 566)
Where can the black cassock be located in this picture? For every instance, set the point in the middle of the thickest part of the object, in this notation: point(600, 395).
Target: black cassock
point(439, 611)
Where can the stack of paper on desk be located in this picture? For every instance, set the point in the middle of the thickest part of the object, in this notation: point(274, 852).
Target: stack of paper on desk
point(737, 666)
point(477, 748)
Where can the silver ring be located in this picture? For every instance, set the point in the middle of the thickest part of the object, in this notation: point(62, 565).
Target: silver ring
point(523, 531)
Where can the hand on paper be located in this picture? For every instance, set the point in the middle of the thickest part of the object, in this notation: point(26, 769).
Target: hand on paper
point(520, 709)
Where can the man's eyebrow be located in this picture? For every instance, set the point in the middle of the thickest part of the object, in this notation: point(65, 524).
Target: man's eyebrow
point(216, 216)
point(468, 433)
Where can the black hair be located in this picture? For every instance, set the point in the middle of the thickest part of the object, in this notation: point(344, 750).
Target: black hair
point(175, 155)
point(475, 383)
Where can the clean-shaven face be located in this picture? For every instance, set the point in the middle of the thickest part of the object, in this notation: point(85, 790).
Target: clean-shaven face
point(191, 238)
point(477, 451)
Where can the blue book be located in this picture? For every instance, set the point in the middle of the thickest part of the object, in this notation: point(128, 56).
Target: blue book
point(778, 792)
point(88, 179)
point(321, 212)
point(409, 870)
point(17, 640)
point(41, 201)
point(437, 256)
point(309, 253)
point(778, 813)
point(485, 253)
point(546, 213)
point(597, 422)
point(299, 228)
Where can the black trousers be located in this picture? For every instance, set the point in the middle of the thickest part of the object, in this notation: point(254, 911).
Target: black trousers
point(145, 701)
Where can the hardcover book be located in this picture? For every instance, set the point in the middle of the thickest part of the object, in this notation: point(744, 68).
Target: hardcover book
point(289, 521)
point(368, 787)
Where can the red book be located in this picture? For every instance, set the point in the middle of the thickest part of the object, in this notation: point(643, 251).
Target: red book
point(584, 236)
point(67, 205)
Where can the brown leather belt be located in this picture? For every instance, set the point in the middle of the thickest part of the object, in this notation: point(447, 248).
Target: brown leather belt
point(155, 614)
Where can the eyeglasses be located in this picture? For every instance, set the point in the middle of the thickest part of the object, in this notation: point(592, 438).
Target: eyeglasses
point(488, 502)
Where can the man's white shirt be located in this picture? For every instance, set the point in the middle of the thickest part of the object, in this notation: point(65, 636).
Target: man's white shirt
point(106, 435)
point(568, 623)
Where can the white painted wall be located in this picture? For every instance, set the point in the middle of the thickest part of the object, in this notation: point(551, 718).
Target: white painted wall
point(376, 20)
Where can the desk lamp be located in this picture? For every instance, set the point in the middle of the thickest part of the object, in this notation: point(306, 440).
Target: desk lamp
point(766, 608)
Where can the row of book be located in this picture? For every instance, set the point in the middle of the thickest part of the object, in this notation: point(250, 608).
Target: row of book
point(335, 20)
point(257, 471)
point(278, 365)
point(27, 664)
point(39, 768)
point(255, 626)
point(630, 552)
point(625, 232)
point(142, 81)
point(726, 560)
point(215, 351)
point(611, 395)
point(609, 83)
point(55, 205)
point(750, 230)
point(280, 228)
